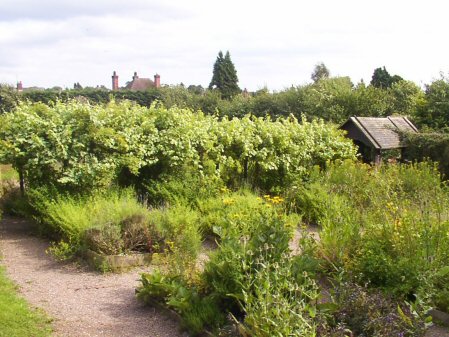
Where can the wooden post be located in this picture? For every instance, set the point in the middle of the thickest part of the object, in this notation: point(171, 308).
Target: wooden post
point(245, 169)
point(22, 183)
point(378, 157)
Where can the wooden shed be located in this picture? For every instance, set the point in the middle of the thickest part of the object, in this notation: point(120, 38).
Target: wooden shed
point(374, 135)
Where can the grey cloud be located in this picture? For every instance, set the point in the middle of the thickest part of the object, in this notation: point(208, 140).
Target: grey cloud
point(13, 10)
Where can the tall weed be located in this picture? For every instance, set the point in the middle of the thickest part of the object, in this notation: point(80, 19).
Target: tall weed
point(179, 228)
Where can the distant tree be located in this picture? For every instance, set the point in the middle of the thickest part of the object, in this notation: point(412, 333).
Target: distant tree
point(224, 76)
point(328, 98)
point(405, 98)
point(319, 72)
point(9, 98)
point(77, 85)
point(369, 101)
point(434, 112)
point(396, 79)
point(196, 89)
point(382, 79)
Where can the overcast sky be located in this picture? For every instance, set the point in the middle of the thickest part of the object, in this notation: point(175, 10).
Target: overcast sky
point(272, 43)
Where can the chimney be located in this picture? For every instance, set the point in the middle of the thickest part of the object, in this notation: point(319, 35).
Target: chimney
point(19, 86)
point(135, 77)
point(157, 81)
point(114, 81)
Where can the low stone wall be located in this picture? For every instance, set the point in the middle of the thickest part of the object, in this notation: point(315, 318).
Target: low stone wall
point(116, 263)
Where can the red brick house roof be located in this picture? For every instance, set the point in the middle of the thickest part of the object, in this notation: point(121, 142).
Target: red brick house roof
point(140, 84)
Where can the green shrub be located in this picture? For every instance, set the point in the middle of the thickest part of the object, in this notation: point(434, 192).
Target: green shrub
point(184, 188)
point(101, 222)
point(266, 232)
point(123, 143)
point(430, 145)
point(380, 266)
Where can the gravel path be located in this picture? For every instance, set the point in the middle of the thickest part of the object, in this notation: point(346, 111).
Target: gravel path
point(81, 302)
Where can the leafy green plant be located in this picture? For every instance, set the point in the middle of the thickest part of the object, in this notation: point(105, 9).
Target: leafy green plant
point(61, 250)
point(197, 312)
point(254, 278)
point(249, 274)
point(274, 304)
point(385, 226)
point(434, 289)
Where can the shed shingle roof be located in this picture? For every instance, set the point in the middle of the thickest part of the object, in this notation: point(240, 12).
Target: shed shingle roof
point(381, 132)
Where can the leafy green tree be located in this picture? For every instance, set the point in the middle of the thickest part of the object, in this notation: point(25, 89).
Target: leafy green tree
point(196, 89)
point(224, 76)
point(319, 72)
point(434, 112)
point(370, 101)
point(382, 79)
point(327, 99)
point(405, 98)
point(9, 98)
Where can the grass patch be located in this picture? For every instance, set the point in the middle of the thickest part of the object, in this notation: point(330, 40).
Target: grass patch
point(17, 318)
point(8, 173)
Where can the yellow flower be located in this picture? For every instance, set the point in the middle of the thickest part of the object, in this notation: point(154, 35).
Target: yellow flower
point(228, 201)
point(224, 189)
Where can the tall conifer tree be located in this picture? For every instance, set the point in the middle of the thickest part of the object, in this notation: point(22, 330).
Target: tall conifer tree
point(224, 76)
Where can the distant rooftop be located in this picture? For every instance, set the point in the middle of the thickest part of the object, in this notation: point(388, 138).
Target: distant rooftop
point(137, 83)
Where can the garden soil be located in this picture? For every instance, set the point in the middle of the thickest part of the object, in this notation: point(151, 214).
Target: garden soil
point(80, 302)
